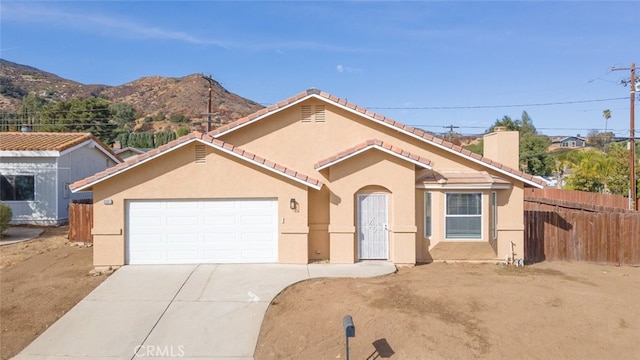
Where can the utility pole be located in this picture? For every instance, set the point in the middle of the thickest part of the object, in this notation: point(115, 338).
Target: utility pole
point(210, 80)
point(450, 132)
point(632, 139)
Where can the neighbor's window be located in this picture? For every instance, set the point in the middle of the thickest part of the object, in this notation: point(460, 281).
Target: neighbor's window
point(17, 187)
point(494, 215)
point(427, 214)
point(463, 216)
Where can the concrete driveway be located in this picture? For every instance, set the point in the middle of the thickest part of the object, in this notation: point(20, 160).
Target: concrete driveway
point(185, 311)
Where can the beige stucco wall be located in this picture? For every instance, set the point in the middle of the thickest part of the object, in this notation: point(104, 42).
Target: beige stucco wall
point(368, 172)
point(510, 224)
point(285, 139)
point(503, 147)
point(324, 226)
point(176, 176)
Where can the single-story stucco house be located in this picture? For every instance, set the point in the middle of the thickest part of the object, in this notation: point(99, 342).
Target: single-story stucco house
point(128, 151)
point(36, 169)
point(312, 177)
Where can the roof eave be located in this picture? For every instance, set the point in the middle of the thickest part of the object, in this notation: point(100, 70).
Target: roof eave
point(384, 123)
point(313, 185)
point(360, 151)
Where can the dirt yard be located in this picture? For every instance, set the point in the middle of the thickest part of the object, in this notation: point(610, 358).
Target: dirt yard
point(461, 311)
point(40, 280)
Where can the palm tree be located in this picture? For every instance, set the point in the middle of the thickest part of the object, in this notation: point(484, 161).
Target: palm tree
point(606, 114)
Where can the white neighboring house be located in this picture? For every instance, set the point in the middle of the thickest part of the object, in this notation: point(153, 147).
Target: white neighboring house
point(36, 169)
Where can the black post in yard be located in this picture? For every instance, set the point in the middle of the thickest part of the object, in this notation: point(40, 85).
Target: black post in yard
point(349, 330)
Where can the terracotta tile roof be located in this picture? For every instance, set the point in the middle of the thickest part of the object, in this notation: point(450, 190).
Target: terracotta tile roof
point(203, 138)
point(41, 141)
point(381, 119)
point(460, 178)
point(372, 144)
point(47, 141)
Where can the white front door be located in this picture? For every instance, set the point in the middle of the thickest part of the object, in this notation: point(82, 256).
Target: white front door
point(373, 239)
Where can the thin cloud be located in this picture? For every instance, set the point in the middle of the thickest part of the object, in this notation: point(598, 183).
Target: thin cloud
point(345, 69)
point(99, 23)
point(306, 45)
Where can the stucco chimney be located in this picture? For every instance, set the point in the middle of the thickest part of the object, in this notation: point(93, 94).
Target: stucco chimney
point(503, 146)
point(117, 144)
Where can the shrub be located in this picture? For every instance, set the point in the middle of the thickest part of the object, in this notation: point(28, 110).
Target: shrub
point(178, 118)
point(5, 217)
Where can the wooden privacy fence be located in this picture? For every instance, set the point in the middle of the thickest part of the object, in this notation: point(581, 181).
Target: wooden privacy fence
point(80, 222)
point(558, 229)
point(582, 197)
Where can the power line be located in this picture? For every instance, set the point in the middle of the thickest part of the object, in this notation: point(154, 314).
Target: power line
point(493, 106)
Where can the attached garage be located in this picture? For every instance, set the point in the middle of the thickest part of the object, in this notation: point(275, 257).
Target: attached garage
point(201, 231)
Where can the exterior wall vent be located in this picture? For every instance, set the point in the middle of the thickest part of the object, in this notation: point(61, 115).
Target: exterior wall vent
point(200, 154)
point(306, 113)
point(319, 114)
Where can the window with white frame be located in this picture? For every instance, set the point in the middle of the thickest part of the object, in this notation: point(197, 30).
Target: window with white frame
point(427, 214)
point(463, 216)
point(17, 188)
point(494, 215)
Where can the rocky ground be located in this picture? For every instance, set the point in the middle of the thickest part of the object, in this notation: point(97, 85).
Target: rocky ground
point(40, 280)
point(461, 311)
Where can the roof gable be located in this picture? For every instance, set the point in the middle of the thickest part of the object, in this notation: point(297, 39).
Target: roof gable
point(383, 120)
point(374, 144)
point(227, 148)
point(53, 144)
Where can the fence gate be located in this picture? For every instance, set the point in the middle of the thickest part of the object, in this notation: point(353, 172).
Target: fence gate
point(80, 222)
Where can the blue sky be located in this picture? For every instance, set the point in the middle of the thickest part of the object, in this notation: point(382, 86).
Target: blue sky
point(406, 60)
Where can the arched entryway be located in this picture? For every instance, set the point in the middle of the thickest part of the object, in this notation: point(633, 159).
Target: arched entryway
point(372, 223)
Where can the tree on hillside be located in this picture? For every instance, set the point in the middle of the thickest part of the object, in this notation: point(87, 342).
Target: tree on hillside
point(163, 137)
point(599, 139)
point(534, 154)
point(143, 140)
point(123, 114)
point(587, 171)
point(79, 115)
point(183, 130)
point(533, 147)
point(30, 108)
point(596, 171)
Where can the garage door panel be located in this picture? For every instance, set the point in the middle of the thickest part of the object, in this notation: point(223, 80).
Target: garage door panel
point(253, 204)
point(255, 255)
point(147, 205)
point(178, 239)
point(149, 221)
point(212, 238)
point(149, 257)
point(220, 204)
point(202, 231)
point(221, 219)
point(148, 240)
point(180, 256)
point(177, 220)
point(255, 219)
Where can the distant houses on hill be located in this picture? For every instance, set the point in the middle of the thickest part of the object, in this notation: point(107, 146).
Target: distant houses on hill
point(567, 142)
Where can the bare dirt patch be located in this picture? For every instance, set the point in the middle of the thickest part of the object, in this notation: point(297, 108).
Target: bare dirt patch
point(40, 280)
point(461, 311)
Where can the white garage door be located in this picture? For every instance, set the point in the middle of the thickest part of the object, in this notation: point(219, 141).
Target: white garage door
point(207, 231)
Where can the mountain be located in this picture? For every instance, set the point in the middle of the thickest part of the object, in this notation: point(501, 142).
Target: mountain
point(148, 95)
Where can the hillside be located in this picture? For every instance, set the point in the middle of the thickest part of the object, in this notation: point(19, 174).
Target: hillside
point(149, 95)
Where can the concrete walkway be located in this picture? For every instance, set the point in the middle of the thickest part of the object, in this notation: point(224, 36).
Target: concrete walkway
point(16, 234)
point(185, 311)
